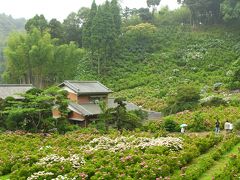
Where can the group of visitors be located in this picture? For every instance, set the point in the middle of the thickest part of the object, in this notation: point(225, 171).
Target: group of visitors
point(227, 126)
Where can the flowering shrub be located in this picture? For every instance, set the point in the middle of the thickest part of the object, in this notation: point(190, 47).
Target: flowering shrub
point(123, 143)
point(88, 155)
point(209, 115)
point(51, 159)
point(39, 174)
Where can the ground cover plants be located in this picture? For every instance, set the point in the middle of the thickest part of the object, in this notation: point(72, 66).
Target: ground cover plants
point(87, 154)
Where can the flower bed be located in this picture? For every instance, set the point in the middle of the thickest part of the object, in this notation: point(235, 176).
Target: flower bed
point(123, 143)
point(88, 155)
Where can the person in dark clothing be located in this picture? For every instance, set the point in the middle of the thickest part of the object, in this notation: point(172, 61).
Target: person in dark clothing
point(217, 126)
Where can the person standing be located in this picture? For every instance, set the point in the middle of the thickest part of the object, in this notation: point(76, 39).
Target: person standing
point(230, 127)
point(227, 126)
point(217, 126)
point(182, 130)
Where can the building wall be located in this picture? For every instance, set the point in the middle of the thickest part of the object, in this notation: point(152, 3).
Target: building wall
point(83, 99)
point(77, 116)
point(72, 96)
point(56, 113)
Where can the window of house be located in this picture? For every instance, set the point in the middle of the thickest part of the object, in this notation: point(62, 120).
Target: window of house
point(96, 99)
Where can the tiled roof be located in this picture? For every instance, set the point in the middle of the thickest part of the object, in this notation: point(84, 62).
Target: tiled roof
point(14, 90)
point(129, 106)
point(94, 109)
point(86, 87)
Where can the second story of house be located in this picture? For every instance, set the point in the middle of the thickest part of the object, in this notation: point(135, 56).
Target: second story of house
point(86, 92)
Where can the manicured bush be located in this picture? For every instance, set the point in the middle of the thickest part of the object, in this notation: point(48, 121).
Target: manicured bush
point(186, 98)
point(237, 125)
point(213, 101)
point(198, 123)
point(170, 125)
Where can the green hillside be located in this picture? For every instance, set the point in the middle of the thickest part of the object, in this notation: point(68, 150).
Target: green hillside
point(198, 57)
point(184, 63)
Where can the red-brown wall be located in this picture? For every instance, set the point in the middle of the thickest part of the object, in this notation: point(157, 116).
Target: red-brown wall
point(56, 113)
point(72, 96)
point(74, 115)
point(83, 99)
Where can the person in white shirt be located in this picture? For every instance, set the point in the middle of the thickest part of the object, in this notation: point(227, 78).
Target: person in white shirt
point(227, 126)
point(182, 130)
point(230, 127)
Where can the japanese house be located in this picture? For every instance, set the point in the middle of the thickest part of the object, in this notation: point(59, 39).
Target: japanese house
point(84, 99)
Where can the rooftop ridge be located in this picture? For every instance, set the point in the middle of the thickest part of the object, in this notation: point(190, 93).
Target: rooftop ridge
point(71, 84)
point(76, 81)
point(104, 86)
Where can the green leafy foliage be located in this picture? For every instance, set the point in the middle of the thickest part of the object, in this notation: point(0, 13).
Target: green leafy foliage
point(32, 56)
point(34, 112)
point(53, 156)
point(170, 125)
point(118, 117)
point(186, 98)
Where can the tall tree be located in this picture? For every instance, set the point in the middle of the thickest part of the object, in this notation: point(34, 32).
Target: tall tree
point(83, 14)
point(230, 10)
point(103, 36)
point(35, 58)
point(203, 11)
point(56, 29)
point(87, 26)
point(145, 15)
point(72, 29)
point(115, 8)
point(38, 22)
point(153, 4)
point(101, 31)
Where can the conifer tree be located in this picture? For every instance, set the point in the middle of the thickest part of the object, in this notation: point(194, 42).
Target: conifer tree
point(115, 9)
point(87, 26)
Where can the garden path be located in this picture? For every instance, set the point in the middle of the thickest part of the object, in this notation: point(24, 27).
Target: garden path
point(219, 165)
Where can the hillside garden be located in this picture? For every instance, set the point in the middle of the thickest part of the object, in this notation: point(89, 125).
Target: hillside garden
point(86, 154)
point(183, 63)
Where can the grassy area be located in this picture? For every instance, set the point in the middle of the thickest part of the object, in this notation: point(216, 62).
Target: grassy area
point(206, 163)
point(220, 164)
point(4, 177)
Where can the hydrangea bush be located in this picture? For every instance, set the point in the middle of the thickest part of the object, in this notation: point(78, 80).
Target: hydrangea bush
point(89, 155)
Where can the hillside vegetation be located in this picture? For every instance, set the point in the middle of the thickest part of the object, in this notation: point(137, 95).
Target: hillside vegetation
point(184, 63)
point(196, 57)
point(8, 25)
point(164, 60)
